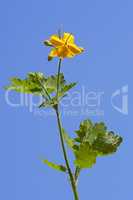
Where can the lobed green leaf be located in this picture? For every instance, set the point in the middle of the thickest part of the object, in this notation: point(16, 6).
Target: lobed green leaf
point(37, 84)
point(94, 140)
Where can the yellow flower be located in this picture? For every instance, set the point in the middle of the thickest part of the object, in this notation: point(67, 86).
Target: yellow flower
point(63, 47)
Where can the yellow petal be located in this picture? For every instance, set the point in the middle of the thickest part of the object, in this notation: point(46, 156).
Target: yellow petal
point(68, 38)
point(70, 54)
point(75, 49)
point(62, 52)
point(53, 53)
point(56, 41)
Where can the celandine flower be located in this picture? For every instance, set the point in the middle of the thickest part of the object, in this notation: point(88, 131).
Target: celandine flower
point(63, 47)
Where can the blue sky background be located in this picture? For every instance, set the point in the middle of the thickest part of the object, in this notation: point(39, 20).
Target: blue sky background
point(105, 29)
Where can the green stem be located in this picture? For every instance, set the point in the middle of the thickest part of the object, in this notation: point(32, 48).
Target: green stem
point(58, 78)
point(44, 89)
point(73, 184)
point(46, 92)
point(72, 179)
